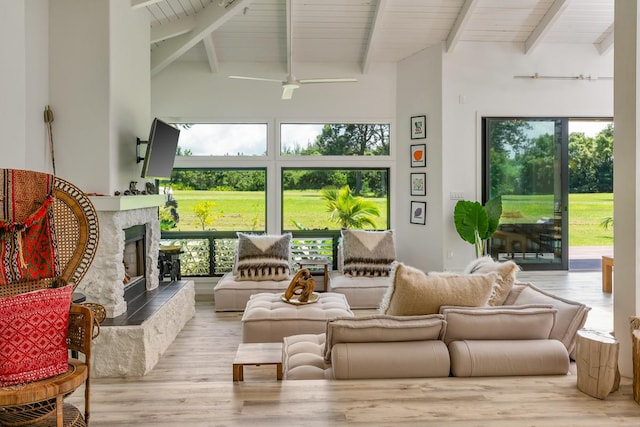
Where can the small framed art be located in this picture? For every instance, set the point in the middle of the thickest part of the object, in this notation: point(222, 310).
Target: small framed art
point(418, 213)
point(418, 127)
point(418, 184)
point(419, 155)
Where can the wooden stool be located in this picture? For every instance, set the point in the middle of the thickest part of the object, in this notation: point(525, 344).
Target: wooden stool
point(257, 354)
point(607, 273)
point(597, 363)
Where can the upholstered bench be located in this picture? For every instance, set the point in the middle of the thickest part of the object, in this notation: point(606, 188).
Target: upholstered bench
point(267, 318)
point(232, 295)
point(361, 292)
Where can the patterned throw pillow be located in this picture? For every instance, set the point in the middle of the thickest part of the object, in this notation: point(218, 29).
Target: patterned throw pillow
point(367, 253)
point(33, 333)
point(263, 257)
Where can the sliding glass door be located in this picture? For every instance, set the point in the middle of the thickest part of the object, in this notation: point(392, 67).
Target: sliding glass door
point(525, 162)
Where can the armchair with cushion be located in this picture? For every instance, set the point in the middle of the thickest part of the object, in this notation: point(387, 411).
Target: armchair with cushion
point(48, 238)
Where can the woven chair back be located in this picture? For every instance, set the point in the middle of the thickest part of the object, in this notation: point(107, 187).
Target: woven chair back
point(76, 232)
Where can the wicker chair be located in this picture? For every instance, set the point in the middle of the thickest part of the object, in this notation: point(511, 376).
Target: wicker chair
point(76, 240)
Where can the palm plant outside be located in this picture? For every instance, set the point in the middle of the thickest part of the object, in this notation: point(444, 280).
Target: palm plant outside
point(349, 211)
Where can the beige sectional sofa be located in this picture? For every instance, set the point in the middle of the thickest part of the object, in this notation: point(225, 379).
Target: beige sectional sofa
point(527, 339)
point(534, 334)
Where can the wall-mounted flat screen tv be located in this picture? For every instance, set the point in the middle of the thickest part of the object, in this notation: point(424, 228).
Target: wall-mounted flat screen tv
point(161, 150)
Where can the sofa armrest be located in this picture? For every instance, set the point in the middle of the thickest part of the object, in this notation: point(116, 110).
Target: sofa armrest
point(408, 359)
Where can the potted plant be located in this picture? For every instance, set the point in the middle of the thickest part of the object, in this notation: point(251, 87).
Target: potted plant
point(476, 223)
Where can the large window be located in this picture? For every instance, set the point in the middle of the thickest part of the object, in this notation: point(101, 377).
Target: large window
point(329, 199)
point(214, 200)
point(310, 179)
point(222, 139)
point(336, 139)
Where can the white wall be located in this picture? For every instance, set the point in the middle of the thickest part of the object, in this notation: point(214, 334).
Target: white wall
point(420, 93)
point(99, 63)
point(478, 80)
point(24, 84)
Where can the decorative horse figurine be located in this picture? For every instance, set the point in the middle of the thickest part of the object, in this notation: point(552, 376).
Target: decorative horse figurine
point(303, 281)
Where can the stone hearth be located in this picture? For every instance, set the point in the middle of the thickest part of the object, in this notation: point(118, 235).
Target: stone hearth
point(132, 340)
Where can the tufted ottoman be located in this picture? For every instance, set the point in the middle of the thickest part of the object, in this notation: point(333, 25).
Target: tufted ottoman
point(267, 318)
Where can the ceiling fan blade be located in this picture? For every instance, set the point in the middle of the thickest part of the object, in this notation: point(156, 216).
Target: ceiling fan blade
point(255, 78)
point(330, 80)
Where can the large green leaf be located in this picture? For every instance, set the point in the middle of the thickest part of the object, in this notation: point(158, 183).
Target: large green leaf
point(493, 208)
point(470, 219)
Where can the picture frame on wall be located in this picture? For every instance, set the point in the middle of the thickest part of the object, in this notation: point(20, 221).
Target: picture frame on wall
point(418, 127)
point(418, 184)
point(419, 155)
point(418, 212)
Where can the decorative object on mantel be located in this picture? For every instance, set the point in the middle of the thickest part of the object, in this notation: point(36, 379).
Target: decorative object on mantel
point(300, 290)
point(476, 223)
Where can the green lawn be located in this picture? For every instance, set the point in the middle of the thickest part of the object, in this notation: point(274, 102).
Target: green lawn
point(236, 210)
point(586, 212)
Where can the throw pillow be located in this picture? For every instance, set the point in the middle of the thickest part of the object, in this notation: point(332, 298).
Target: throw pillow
point(412, 292)
point(33, 334)
point(262, 257)
point(382, 328)
point(367, 253)
point(507, 276)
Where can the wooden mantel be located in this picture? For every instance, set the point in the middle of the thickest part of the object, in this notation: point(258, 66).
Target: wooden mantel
point(125, 203)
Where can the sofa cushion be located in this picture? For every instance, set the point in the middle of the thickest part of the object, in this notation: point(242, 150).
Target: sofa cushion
point(412, 292)
point(405, 359)
point(367, 253)
point(489, 358)
point(532, 322)
point(571, 315)
point(507, 275)
point(302, 358)
point(263, 257)
point(382, 328)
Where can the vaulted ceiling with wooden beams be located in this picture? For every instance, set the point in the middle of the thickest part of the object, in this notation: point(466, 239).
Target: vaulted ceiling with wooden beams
point(362, 32)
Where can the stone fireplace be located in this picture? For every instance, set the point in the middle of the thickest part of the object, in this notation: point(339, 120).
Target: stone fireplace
point(104, 281)
point(128, 247)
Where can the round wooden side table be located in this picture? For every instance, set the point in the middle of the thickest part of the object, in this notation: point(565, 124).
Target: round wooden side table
point(33, 403)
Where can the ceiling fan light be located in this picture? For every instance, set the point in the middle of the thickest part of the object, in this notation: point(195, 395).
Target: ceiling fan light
point(287, 90)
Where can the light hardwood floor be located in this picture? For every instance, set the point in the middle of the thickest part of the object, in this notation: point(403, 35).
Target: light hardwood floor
point(192, 386)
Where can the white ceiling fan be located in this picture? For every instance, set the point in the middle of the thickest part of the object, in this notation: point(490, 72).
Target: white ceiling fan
point(291, 83)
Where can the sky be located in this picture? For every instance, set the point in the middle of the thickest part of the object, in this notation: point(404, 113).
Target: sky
point(208, 139)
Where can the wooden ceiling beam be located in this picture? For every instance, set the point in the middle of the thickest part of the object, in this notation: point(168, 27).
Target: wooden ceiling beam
point(374, 35)
point(210, 48)
point(605, 45)
point(545, 25)
point(208, 20)
point(461, 22)
point(172, 29)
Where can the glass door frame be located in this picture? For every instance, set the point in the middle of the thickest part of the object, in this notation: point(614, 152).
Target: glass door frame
point(564, 186)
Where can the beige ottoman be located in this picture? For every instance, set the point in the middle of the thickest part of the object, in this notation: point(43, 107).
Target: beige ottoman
point(267, 318)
